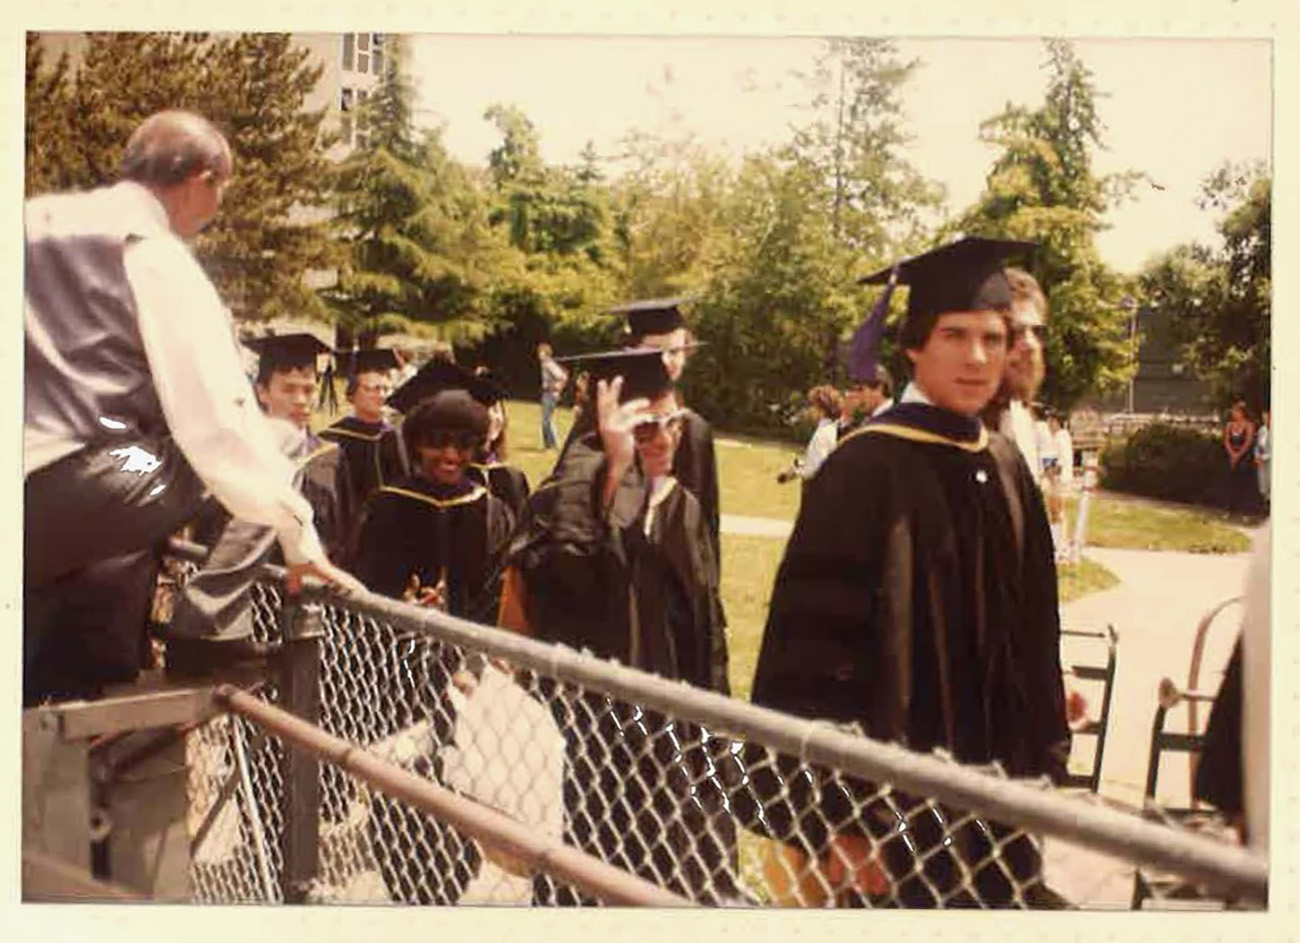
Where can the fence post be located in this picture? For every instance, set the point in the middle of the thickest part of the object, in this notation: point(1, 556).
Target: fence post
point(300, 771)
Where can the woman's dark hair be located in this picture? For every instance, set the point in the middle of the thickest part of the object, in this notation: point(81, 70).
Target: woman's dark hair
point(445, 411)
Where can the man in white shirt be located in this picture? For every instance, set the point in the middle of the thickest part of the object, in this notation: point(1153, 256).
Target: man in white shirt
point(135, 396)
point(1010, 412)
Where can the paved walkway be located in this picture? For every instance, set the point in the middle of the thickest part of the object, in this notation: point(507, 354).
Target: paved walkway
point(1155, 609)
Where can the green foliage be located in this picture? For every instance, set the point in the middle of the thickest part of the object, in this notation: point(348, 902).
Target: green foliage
point(1043, 188)
point(253, 87)
point(1220, 297)
point(53, 154)
point(1164, 461)
point(422, 255)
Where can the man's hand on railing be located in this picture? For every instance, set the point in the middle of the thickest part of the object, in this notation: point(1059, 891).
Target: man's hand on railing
point(341, 580)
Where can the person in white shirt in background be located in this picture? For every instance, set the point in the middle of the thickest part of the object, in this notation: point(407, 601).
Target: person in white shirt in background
point(1045, 441)
point(1264, 456)
point(1064, 448)
point(824, 404)
point(136, 401)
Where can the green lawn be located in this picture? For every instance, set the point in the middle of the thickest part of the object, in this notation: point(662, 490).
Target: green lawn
point(1137, 525)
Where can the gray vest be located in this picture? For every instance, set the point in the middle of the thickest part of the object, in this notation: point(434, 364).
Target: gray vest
point(87, 377)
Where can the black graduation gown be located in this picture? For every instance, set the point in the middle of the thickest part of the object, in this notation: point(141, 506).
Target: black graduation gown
point(1219, 779)
point(917, 598)
point(324, 478)
point(506, 482)
point(374, 453)
point(630, 771)
point(414, 526)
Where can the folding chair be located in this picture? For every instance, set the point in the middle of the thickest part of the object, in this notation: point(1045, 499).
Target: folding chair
point(1102, 674)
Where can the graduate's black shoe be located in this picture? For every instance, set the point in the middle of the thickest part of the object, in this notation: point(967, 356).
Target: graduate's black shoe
point(188, 657)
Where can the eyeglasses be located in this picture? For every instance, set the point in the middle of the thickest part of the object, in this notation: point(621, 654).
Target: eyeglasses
point(649, 428)
point(441, 438)
point(1019, 331)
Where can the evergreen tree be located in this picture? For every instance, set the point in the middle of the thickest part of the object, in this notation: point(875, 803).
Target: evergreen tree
point(421, 253)
point(1043, 188)
point(53, 156)
point(253, 87)
point(270, 234)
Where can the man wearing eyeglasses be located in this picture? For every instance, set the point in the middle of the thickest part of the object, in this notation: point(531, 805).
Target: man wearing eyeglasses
point(136, 401)
point(1011, 411)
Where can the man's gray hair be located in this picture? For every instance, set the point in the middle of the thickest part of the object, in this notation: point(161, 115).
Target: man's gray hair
point(171, 146)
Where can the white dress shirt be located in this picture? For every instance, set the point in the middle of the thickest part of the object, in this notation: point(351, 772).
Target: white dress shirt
point(1017, 424)
point(210, 408)
point(820, 445)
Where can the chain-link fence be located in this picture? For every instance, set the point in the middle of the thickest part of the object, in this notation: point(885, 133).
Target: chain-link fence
point(706, 797)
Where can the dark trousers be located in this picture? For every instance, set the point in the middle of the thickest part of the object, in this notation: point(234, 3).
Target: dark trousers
point(94, 524)
point(215, 602)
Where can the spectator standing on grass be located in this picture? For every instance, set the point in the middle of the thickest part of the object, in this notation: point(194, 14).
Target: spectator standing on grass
point(924, 608)
point(824, 405)
point(1264, 458)
point(554, 377)
point(136, 402)
point(1238, 445)
point(1060, 430)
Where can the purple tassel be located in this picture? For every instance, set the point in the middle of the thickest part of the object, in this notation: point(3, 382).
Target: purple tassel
point(864, 348)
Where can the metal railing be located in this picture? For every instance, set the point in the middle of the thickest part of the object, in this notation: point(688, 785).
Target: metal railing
point(706, 797)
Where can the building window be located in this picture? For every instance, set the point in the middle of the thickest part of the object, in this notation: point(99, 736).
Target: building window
point(363, 52)
point(349, 41)
point(345, 124)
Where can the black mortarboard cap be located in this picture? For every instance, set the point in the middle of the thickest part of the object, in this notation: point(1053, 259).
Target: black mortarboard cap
point(376, 359)
point(489, 389)
point(642, 369)
point(434, 377)
point(966, 275)
point(287, 351)
point(652, 316)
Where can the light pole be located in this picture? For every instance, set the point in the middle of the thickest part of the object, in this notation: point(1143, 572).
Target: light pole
point(1129, 305)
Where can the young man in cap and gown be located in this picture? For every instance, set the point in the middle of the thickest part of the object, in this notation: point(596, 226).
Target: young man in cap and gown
point(211, 611)
point(917, 599)
point(371, 445)
point(613, 555)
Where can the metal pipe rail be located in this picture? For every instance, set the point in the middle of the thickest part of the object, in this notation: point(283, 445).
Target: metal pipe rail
point(487, 825)
point(1223, 868)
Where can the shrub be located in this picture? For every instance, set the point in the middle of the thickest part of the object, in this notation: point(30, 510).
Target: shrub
point(1164, 461)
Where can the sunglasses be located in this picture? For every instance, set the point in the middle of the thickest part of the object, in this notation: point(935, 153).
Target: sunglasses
point(1019, 332)
point(440, 439)
point(649, 428)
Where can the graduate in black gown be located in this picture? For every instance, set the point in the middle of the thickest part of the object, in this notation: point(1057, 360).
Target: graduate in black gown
point(212, 607)
point(613, 555)
point(917, 598)
point(491, 467)
point(433, 538)
point(659, 323)
point(371, 445)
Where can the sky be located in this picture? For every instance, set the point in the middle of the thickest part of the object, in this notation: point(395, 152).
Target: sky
point(1173, 108)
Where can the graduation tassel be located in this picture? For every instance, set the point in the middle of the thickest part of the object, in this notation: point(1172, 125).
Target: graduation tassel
point(864, 348)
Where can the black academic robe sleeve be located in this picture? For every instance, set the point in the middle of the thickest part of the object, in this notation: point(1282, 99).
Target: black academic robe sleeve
point(326, 485)
point(696, 467)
